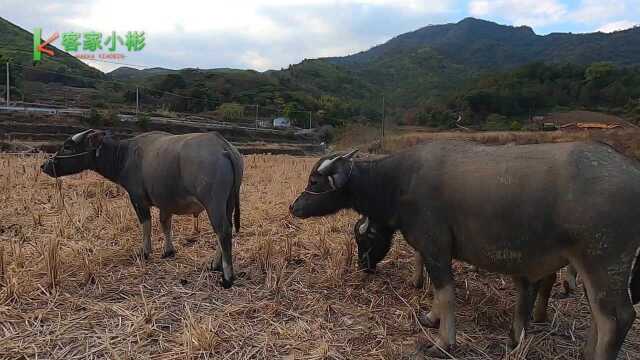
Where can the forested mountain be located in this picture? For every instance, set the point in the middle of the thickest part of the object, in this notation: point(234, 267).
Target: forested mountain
point(426, 76)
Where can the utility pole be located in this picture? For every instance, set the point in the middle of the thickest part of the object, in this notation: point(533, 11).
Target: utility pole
point(382, 140)
point(137, 102)
point(8, 86)
point(309, 119)
point(257, 115)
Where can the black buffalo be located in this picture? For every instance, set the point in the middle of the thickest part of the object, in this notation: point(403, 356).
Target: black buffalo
point(374, 242)
point(179, 174)
point(523, 210)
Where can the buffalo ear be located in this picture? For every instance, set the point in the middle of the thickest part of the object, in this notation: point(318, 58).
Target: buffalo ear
point(95, 139)
point(341, 177)
point(362, 229)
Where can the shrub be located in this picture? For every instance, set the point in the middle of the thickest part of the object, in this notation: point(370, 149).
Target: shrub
point(143, 121)
point(111, 117)
point(515, 126)
point(495, 122)
point(94, 118)
point(231, 111)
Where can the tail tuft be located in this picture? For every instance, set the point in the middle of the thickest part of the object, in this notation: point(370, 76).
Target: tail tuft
point(236, 213)
point(634, 282)
point(237, 178)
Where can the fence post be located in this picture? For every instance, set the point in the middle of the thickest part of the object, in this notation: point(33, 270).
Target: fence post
point(8, 86)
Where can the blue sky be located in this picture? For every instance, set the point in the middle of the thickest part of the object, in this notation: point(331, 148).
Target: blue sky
point(271, 34)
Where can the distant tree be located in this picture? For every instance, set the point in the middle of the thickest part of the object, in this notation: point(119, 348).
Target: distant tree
point(143, 121)
point(201, 100)
point(231, 111)
point(599, 72)
point(94, 118)
point(112, 117)
point(289, 110)
point(171, 82)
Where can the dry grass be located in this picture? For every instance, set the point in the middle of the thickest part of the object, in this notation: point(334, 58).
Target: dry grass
point(70, 288)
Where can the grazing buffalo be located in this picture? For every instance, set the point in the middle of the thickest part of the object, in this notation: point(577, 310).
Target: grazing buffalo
point(374, 242)
point(522, 210)
point(179, 174)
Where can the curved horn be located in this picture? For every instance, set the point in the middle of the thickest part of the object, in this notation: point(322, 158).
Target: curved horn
point(77, 137)
point(350, 154)
point(363, 228)
point(325, 164)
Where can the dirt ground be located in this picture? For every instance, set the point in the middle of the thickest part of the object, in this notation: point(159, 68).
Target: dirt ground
point(72, 289)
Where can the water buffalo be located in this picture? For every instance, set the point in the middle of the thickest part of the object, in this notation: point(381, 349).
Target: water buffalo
point(374, 242)
point(525, 211)
point(179, 174)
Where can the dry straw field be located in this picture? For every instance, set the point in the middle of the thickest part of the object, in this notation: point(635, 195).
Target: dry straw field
point(71, 289)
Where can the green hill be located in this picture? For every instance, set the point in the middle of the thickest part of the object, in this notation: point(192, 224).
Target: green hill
point(16, 44)
point(423, 71)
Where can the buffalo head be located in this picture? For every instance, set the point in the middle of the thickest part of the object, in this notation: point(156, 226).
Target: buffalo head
point(374, 242)
point(76, 154)
point(326, 191)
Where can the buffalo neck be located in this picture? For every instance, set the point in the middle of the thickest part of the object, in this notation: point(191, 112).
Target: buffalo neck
point(111, 158)
point(374, 188)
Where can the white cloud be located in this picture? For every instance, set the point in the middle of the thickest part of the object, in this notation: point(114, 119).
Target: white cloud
point(593, 11)
point(259, 34)
point(520, 12)
point(479, 7)
point(616, 26)
point(226, 16)
point(254, 60)
point(264, 34)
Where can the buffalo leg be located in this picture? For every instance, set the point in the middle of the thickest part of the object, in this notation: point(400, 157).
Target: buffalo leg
point(222, 226)
point(437, 257)
point(216, 261)
point(569, 284)
point(542, 302)
point(526, 295)
point(611, 308)
point(165, 223)
point(418, 275)
point(196, 225)
point(144, 216)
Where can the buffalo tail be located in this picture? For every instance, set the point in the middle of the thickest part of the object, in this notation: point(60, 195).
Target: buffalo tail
point(634, 283)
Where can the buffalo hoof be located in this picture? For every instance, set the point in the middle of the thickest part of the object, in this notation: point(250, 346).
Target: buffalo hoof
point(141, 254)
point(540, 318)
point(215, 267)
point(169, 254)
point(511, 344)
point(424, 320)
point(226, 283)
point(563, 294)
point(429, 351)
